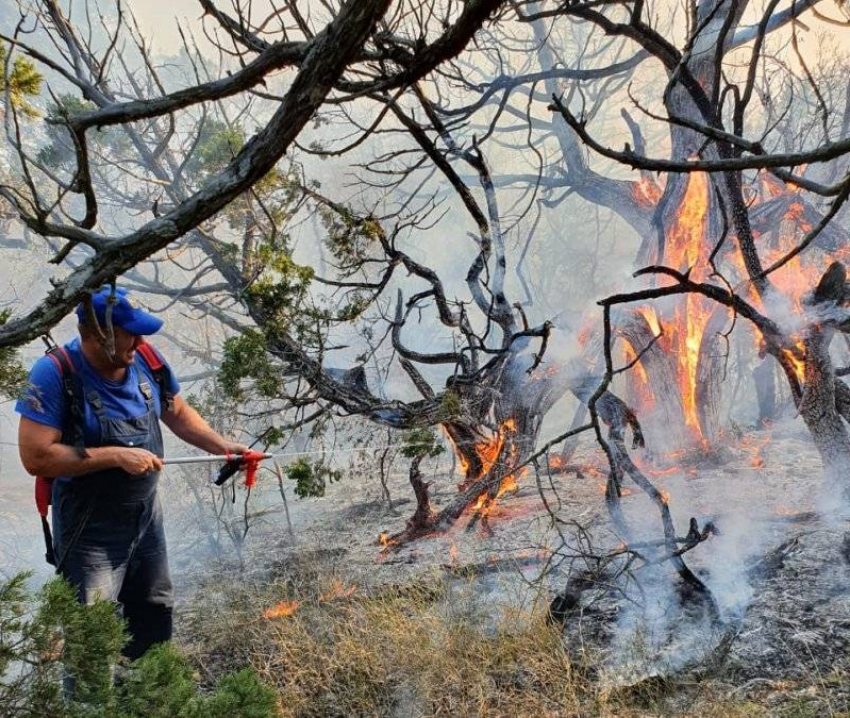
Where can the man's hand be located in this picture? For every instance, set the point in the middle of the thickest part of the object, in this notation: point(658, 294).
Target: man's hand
point(137, 461)
point(231, 447)
point(44, 454)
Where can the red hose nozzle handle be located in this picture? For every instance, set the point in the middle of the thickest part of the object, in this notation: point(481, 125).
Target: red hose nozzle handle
point(250, 460)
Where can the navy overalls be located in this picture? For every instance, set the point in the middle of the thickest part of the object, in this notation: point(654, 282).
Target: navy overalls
point(108, 529)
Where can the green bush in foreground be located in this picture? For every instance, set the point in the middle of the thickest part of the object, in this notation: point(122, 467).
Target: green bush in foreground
point(43, 635)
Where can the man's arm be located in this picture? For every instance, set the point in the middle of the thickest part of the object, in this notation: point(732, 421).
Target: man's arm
point(44, 454)
point(190, 426)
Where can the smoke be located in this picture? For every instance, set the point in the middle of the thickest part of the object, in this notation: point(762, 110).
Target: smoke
point(649, 639)
point(659, 632)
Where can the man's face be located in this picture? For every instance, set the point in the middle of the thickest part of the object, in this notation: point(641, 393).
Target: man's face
point(125, 347)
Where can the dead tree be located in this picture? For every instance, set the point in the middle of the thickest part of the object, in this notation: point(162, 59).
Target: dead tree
point(698, 99)
point(501, 383)
point(322, 58)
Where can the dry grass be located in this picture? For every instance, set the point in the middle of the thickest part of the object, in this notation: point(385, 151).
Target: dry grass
point(399, 651)
point(431, 649)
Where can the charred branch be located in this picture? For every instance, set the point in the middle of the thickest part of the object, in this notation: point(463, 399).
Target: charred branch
point(825, 153)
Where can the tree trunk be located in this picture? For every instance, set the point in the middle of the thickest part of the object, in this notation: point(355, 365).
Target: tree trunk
point(491, 439)
point(423, 516)
point(820, 410)
point(712, 368)
point(667, 411)
point(765, 383)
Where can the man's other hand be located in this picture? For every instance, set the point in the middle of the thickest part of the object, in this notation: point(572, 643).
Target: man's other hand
point(137, 461)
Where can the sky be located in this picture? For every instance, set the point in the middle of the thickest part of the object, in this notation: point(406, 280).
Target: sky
point(160, 20)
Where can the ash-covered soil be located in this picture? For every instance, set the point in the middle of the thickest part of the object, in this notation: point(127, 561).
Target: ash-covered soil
point(784, 614)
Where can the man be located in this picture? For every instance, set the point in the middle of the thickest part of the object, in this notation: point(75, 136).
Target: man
point(108, 532)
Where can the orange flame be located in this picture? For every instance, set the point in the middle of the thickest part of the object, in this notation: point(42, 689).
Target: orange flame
point(507, 485)
point(688, 247)
point(797, 357)
point(685, 249)
point(385, 540)
point(337, 590)
point(543, 373)
point(488, 453)
point(796, 213)
point(282, 609)
point(646, 192)
point(663, 472)
point(641, 384)
point(774, 187)
point(651, 317)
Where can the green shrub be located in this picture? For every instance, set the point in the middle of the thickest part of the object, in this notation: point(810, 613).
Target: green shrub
point(44, 635)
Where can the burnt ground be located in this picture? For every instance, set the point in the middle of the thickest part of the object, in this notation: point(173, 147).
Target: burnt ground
point(784, 623)
point(783, 634)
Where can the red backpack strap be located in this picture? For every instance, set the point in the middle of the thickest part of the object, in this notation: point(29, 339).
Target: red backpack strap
point(72, 387)
point(161, 373)
point(62, 360)
point(43, 491)
point(151, 356)
point(57, 361)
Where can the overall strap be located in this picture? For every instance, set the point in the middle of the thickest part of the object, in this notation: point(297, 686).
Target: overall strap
point(161, 374)
point(96, 403)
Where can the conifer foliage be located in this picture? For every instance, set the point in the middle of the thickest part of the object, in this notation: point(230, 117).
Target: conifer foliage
point(48, 635)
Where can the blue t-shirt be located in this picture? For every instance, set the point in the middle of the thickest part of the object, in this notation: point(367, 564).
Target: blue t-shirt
point(44, 400)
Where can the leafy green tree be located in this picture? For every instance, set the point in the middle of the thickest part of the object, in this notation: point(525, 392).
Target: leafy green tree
point(24, 82)
point(13, 376)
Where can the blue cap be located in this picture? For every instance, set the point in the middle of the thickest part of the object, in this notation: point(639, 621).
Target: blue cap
point(125, 314)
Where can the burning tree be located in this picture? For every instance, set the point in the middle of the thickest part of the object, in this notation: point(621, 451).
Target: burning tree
point(732, 227)
point(705, 223)
point(499, 384)
point(694, 101)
